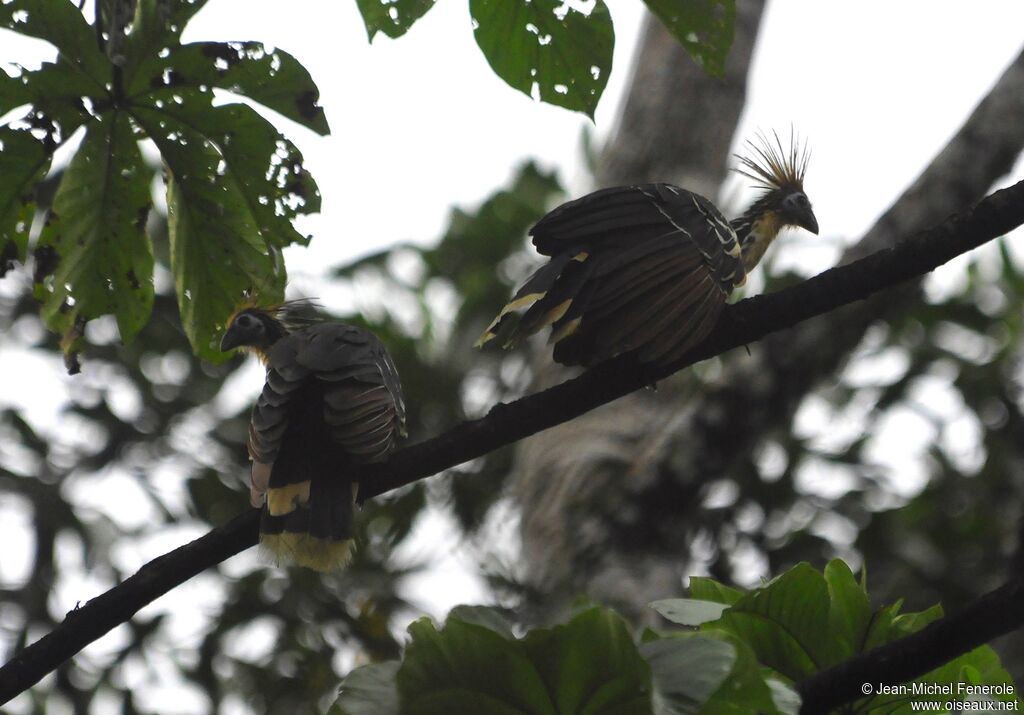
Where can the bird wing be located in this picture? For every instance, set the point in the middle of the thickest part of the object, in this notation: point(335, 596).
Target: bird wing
point(643, 268)
point(639, 219)
point(356, 382)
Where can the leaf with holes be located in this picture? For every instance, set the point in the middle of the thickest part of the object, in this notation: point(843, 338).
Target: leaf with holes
point(12, 92)
point(271, 77)
point(62, 25)
point(156, 27)
point(217, 251)
point(392, 17)
point(95, 235)
point(264, 166)
point(544, 46)
point(24, 159)
point(703, 27)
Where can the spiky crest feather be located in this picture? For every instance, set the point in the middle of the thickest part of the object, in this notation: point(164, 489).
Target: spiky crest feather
point(290, 314)
point(771, 167)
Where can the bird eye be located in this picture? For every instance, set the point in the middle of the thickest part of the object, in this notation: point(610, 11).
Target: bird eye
point(247, 321)
point(796, 201)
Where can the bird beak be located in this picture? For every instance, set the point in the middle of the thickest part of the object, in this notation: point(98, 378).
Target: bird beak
point(807, 221)
point(232, 338)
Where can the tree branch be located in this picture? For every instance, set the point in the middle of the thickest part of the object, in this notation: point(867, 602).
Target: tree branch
point(994, 614)
point(742, 323)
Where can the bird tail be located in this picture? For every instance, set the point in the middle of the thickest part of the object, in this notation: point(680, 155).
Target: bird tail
point(551, 296)
point(309, 512)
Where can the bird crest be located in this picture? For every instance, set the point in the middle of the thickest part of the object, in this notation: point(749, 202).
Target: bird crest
point(291, 314)
point(771, 166)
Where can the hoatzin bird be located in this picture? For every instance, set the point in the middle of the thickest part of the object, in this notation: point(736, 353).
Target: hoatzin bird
point(332, 399)
point(646, 269)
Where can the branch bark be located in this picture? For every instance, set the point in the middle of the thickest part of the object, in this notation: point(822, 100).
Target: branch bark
point(742, 323)
point(991, 615)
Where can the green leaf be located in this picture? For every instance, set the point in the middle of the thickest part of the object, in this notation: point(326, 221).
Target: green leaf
point(547, 49)
point(881, 630)
point(963, 679)
point(96, 234)
point(273, 78)
point(218, 255)
point(686, 672)
point(483, 616)
point(703, 27)
point(61, 24)
point(265, 167)
point(12, 92)
point(849, 613)
point(55, 91)
point(907, 623)
point(749, 687)
point(785, 699)
point(590, 664)
point(707, 589)
point(689, 611)
point(786, 622)
point(156, 28)
point(392, 17)
point(465, 667)
point(369, 690)
point(24, 160)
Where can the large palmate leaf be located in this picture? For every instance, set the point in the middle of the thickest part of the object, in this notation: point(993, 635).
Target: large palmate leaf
point(703, 27)
point(392, 17)
point(24, 159)
point(218, 253)
point(95, 240)
point(271, 77)
point(547, 49)
point(238, 183)
point(256, 158)
point(156, 30)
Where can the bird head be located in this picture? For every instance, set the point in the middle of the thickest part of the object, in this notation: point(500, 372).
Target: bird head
point(256, 328)
point(780, 174)
point(253, 328)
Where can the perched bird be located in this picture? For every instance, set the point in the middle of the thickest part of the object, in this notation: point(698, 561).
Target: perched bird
point(332, 399)
point(646, 269)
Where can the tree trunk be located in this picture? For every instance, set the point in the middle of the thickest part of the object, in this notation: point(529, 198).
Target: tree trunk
point(677, 126)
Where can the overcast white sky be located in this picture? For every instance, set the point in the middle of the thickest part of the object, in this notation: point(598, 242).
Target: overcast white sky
point(421, 123)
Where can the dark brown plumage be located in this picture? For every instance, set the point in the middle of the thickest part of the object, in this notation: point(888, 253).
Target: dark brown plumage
point(646, 269)
point(332, 399)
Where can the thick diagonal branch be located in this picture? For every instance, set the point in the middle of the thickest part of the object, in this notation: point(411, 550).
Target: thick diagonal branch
point(991, 615)
point(743, 323)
